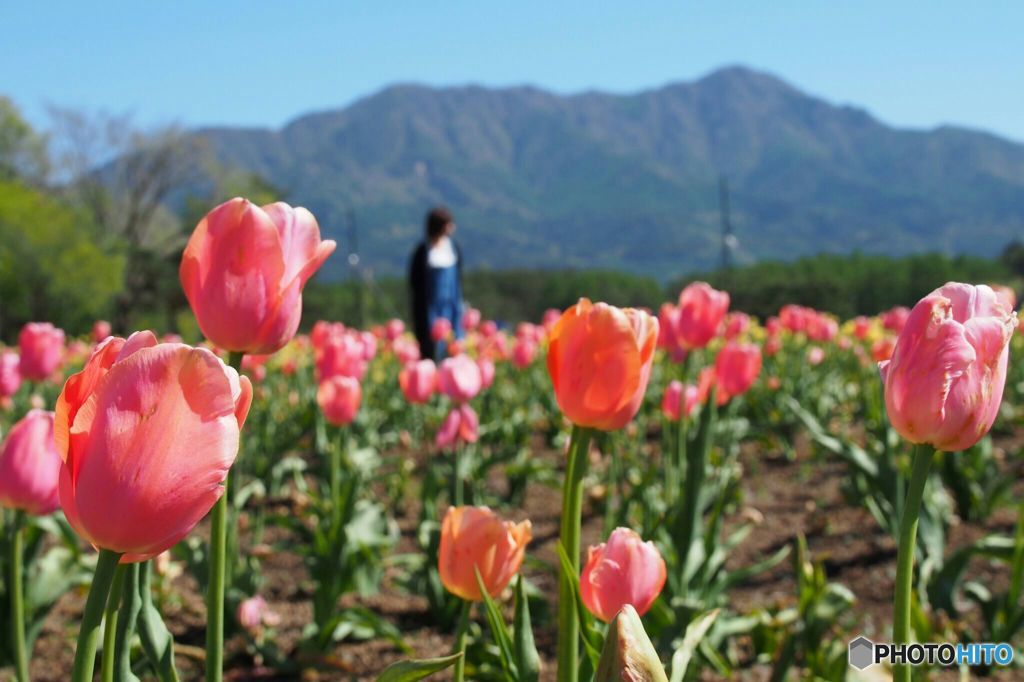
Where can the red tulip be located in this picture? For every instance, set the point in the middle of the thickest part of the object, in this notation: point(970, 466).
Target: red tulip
point(945, 381)
point(475, 540)
point(30, 465)
point(881, 350)
point(736, 368)
point(701, 311)
point(460, 426)
point(42, 349)
point(861, 326)
point(243, 271)
point(418, 381)
point(147, 433)
point(339, 398)
point(459, 378)
point(625, 570)
point(599, 359)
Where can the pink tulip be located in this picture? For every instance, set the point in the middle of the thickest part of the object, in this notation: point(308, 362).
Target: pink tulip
point(795, 318)
point(736, 324)
point(100, 330)
point(406, 350)
point(524, 352)
point(30, 465)
point(486, 366)
point(773, 326)
point(815, 355)
point(679, 400)
point(772, 345)
point(394, 329)
point(895, 319)
point(736, 368)
point(418, 381)
point(339, 398)
point(488, 328)
point(1006, 295)
point(821, 327)
point(441, 329)
point(701, 311)
point(243, 271)
point(624, 570)
point(254, 614)
point(340, 354)
point(945, 381)
point(147, 433)
point(551, 317)
point(42, 349)
point(10, 373)
point(460, 426)
point(470, 319)
point(459, 378)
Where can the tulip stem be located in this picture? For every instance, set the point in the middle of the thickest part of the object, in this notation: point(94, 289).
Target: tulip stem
point(110, 625)
point(457, 486)
point(689, 528)
point(572, 511)
point(218, 563)
point(905, 556)
point(89, 631)
point(460, 640)
point(17, 597)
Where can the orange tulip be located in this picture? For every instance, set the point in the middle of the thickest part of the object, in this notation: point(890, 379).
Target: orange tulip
point(600, 361)
point(477, 538)
point(243, 271)
point(147, 433)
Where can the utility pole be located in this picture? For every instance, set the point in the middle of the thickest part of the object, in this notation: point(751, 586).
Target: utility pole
point(728, 239)
point(353, 267)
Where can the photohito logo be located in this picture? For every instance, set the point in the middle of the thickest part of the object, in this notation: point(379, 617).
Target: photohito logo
point(863, 653)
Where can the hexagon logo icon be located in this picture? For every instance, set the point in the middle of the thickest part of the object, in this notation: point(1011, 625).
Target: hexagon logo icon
point(861, 653)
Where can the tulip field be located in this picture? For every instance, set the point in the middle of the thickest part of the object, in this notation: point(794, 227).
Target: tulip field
point(602, 494)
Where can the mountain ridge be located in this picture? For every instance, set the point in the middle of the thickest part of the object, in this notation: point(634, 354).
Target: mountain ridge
point(596, 179)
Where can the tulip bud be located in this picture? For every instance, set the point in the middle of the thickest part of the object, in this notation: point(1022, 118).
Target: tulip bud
point(459, 378)
point(243, 271)
point(701, 311)
point(600, 361)
point(945, 381)
point(418, 381)
point(30, 465)
point(628, 655)
point(147, 433)
point(624, 570)
point(41, 346)
point(475, 539)
point(339, 397)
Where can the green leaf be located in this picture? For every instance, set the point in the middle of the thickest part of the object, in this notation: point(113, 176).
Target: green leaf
point(498, 629)
point(592, 641)
point(695, 632)
point(409, 671)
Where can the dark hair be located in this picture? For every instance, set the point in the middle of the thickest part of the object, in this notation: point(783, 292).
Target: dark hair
point(437, 221)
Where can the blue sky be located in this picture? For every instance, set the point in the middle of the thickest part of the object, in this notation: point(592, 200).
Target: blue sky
point(912, 64)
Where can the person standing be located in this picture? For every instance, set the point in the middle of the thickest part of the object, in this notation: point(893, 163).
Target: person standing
point(435, 283)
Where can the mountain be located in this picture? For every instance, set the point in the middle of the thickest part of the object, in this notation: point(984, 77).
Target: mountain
point(631, 181)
